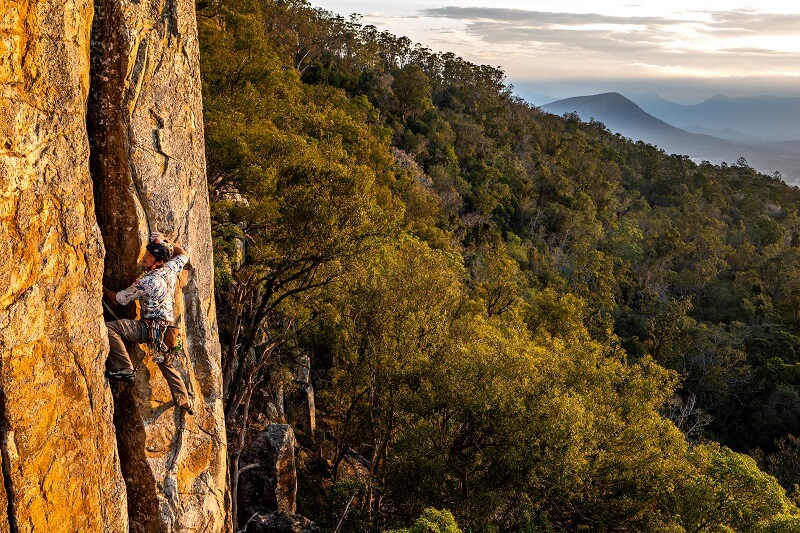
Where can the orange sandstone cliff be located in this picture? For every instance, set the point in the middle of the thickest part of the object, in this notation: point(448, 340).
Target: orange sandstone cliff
point(101, 142)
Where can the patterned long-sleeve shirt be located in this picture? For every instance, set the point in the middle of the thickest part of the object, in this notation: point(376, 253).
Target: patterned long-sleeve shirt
point(155, 290)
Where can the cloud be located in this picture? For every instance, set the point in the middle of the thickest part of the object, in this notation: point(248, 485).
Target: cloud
point(749, 22)
point(597, 40)
point(623, 35)
point(540, 18)
point(589, 32)
point(691, 44)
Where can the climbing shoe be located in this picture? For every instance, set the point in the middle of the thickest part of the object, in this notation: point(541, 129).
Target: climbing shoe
point(126, 375)
point(187, 409)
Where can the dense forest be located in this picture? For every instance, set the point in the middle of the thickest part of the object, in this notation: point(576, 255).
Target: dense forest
point(513, 321)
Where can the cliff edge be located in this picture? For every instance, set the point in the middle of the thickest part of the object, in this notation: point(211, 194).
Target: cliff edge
point(101, 142)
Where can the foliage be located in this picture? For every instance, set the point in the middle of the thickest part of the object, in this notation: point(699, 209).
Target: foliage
point(729, 493)
point(507, 314)
point(432, 521)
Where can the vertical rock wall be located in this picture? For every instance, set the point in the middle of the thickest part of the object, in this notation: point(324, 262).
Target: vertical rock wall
point(148, 167)
point(59, 463)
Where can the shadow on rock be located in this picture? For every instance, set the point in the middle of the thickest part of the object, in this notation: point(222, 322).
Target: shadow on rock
point(140, 484)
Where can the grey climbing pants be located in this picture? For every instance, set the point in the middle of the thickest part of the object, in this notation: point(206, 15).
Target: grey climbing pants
point(121, 331)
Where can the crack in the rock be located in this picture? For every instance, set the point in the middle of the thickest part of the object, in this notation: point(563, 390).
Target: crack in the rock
point(6, 439)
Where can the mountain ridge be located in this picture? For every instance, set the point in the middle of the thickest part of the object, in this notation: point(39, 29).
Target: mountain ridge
point(769, 118)
point(622, 115)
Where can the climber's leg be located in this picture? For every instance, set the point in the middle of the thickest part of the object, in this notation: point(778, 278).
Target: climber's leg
point(176, 385)
point(119, 364)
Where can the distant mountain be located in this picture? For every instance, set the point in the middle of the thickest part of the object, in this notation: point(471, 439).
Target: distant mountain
point(532, 96)
point(725, 133)
point(767, 118)
point(623, 116)
point(618, 113)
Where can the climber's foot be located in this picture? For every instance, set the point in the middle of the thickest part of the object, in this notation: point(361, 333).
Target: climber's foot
point(187, 409)
point(125, 374)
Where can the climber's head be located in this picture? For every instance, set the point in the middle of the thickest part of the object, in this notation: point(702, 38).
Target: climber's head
point(156, 255)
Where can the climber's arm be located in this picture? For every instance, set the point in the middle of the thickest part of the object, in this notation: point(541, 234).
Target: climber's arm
point(109, 295)
point(177, 250)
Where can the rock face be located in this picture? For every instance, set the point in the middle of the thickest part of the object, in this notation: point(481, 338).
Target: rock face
point(148, 167)
point(59, 461)
point(74, 458)
point(268, 481)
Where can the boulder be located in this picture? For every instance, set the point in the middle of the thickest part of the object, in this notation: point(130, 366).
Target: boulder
point(268, 479)
point(280, 522)
point(59, 460)
point(301, 410)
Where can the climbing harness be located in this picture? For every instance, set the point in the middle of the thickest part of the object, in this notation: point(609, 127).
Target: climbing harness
point(165, 341)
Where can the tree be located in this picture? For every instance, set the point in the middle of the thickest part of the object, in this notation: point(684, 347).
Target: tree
point(391, 322)
point(729, 491)
point(298, 179)
point(432, 521)
point(412, 91)
point(485, 291)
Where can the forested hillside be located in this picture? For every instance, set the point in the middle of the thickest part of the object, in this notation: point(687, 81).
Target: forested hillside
point(517, 318)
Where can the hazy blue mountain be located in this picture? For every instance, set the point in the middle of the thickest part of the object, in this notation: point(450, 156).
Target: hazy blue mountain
point(725, 133)
point(532, 96)
point(768, 118)
point(618, 113)
point(623, 116)
point(787, 145)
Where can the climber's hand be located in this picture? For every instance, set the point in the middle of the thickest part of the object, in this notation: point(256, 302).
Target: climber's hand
point(157, 238)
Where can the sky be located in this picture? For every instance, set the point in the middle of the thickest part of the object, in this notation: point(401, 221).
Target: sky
point(683, 50)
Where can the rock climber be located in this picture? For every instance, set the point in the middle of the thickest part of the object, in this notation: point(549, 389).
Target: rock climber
point(155, 289)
